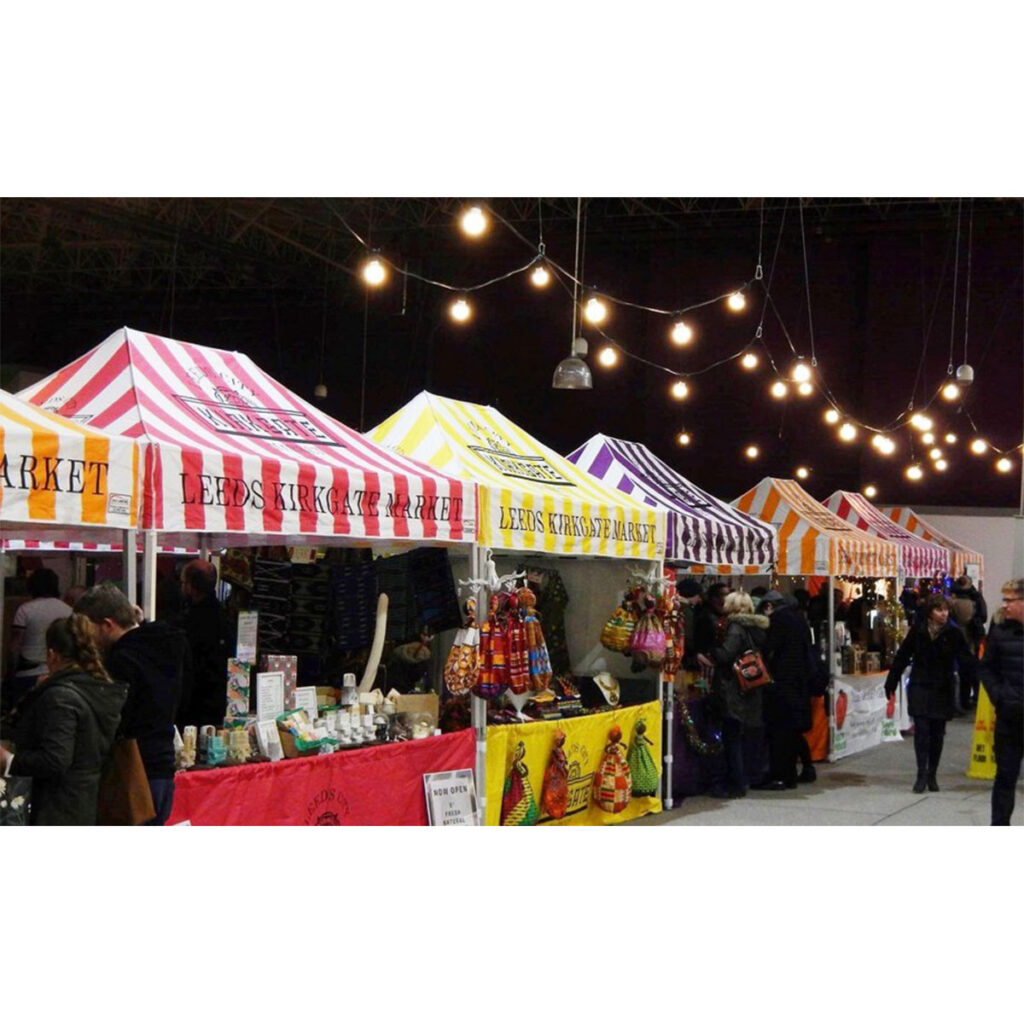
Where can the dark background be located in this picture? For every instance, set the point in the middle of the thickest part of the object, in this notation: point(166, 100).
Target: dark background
point(275, 278)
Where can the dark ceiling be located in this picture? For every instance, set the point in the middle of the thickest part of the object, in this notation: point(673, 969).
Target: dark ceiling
point(276, 278)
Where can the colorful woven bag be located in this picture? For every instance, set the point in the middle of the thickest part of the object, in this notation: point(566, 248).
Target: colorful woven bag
point(613, 782)
point(618, 630)
point(463, 664)
point(540, 661)
point(492, 679)
point(647, 645)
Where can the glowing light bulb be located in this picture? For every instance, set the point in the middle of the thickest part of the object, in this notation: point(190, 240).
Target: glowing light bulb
point(805, 389)
point(608, 356)
point(684, 438)
point(935, 454)
point(541, 276)
point(736, 302)
point(921, 421)
point(752, 451)
point(914, 472)
point(801, 372)
point(884, 445)
point(871, 491)
point(595, 311)
point(779, 389)
point(941, 465)
point(979, 446)
point(928, 438)
point(802, 472)
point(749, 361)
point(680, 390)
point(1004, 465)
point(682, 333)
point(460, 310)
point(847, 432)
point(951, 392)
point(374, 272)
point(474, 222)
point(951, 438)
point(831, 416)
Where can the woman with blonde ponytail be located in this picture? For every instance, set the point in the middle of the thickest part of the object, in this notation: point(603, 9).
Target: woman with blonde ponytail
point(65, 725)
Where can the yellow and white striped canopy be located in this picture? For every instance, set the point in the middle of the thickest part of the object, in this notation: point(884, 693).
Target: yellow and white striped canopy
point(529, 497)
point(960, 557)
point(55, 473)
point(812, 540)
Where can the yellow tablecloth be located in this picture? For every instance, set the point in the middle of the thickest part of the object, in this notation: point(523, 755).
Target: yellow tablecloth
point(585, 740)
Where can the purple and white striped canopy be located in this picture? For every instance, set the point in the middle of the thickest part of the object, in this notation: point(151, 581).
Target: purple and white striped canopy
point(708, 533)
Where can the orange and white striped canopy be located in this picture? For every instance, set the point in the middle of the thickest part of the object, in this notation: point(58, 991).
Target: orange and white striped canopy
point(57, 476)
point(812, 540)
point(960, 557)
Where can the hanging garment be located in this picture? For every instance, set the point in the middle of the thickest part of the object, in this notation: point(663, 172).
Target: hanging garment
point(518, 647)
point(492, 680)
point(552, 599)
point(540, 660)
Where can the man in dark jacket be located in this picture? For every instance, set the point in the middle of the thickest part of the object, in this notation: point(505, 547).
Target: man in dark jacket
point(968, 609)
point(1002, 675)
point(150, 658)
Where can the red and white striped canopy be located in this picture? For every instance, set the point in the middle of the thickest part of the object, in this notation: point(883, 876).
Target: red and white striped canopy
point(962, 559)
point(917, 557)
point(229, 451)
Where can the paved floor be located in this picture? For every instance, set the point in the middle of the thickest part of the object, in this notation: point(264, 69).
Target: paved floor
point(869, 788)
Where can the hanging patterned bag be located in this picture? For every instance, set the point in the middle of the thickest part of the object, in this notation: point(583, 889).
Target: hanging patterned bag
point(647, 645)
point(554, 797)
point(750, 669)
point(675, 641)
point(540, 661)
point(463, 664)
point(618, 630)
point(492, 679)
point(613, 780)
point(642, 768)
point(518, 806)
point(518, 647)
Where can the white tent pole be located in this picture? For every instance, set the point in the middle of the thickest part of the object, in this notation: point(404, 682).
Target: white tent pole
point(831, 670)
point(130, 564)
point(149, 574)
point(478, 570)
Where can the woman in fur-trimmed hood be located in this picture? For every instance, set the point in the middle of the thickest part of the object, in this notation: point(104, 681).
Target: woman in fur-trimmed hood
point(739, 711)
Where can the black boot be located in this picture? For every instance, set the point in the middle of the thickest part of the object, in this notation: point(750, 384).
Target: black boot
point(933, 786)
point(919, 786)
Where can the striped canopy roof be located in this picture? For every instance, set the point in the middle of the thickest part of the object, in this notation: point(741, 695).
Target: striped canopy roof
point(960, 556)
point(812, 540)
point(530, 498)
point(230, 452)
point(58, 476)
point(702, 530)
point(918, 557)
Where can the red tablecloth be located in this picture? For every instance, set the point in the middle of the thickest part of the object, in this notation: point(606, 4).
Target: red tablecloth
point(373, 786)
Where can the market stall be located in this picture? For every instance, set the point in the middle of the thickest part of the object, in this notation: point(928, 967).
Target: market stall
point(813, 541)
point(535, 509)
point(962, 560)
point(232, 459)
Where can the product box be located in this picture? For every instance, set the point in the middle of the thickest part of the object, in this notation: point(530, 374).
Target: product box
point(289, 665)
point(427, 703)
point(238, 688)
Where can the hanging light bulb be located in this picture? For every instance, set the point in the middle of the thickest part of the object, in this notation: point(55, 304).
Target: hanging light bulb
point(1004, 465)
point(884, 445)
point(805, 388)
point(871, 491)
point(979, 446)
point(474, 222)
point(802, 472)
point(680, 390)
point(965, 375)
point(682, 333)
point(608, 356)
point(375, 273)
point(683, 438)
point(779, 389)
point(951, 438)
point(572, 373)
point(928, 438)
point(541, 276)
point(951, 392)
point(595, 311)
point(941, 465)
point(921, 421)
point(935, 454)
point(460, 310)
point(752, 451)
point(801, 372)
point(914, 472)
point(736, 302)
point(749, 361)
point(832, 416)
point(320, 391)
point(847, 432)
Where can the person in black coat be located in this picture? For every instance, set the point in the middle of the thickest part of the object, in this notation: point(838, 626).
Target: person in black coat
point(64, 727)
point(1002, 675)
point(934, 648)
point(787, 704)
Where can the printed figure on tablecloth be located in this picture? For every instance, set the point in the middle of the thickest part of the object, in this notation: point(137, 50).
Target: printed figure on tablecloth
point(641, 765)
point(612, 780)
point(518, 806)
point(554, 797)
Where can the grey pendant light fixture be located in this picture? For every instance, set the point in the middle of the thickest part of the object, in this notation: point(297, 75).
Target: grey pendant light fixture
point(572, 373)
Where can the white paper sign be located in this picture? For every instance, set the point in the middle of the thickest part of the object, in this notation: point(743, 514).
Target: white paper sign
point(451, 797)
point(269, 741)
point(245, 649)
point(269, 695)
point(305, 697)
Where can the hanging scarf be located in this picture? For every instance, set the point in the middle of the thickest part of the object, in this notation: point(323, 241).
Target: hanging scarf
point(492, 680)
point(540, 662)
point(518, 647)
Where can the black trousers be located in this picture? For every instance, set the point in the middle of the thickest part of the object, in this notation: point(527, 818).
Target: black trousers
point(784, 749)
point(1008, 742)
point(929, 735)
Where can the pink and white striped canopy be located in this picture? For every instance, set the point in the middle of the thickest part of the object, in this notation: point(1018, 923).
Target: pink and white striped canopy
point(229, 451)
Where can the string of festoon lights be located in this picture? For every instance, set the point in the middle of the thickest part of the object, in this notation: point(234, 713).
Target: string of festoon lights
point(804, 378)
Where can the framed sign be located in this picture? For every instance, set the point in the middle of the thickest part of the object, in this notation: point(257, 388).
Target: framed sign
point(451, 797)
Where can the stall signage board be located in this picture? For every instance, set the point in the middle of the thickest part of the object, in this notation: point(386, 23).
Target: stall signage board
point(305, 697)
point(269, 695)
point(248, 626)
point(451, 797)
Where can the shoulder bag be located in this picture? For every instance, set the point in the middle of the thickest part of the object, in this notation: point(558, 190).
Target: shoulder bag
point(750, 669)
